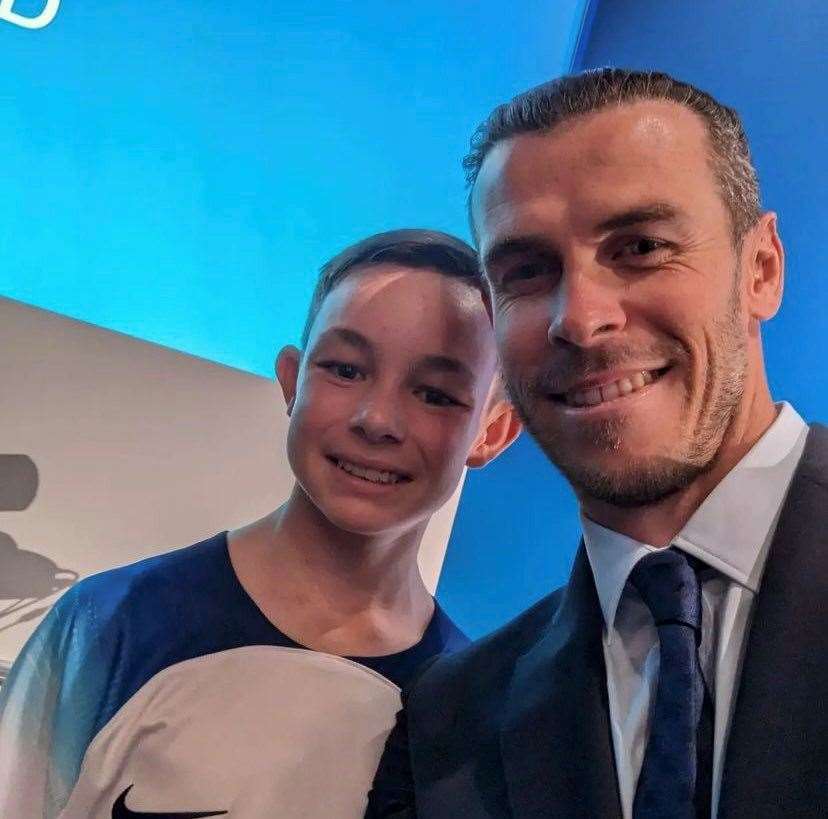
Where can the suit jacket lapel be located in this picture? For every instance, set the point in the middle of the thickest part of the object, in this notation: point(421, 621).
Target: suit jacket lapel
point(775, 758)
point(555, 741)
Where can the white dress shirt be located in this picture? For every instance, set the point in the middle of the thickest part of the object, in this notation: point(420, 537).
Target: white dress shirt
point(730, 532)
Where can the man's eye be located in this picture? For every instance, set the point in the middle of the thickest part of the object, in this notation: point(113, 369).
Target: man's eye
point(639, 248)
point(341, 369)
point(524, 272)
point(436, 397)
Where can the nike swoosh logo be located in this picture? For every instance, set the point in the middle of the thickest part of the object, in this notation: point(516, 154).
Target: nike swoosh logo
point(121, 811)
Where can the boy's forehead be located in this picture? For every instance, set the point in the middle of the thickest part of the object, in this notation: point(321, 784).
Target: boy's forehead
point(408, 306)
point(396, 295)
point(395, 281)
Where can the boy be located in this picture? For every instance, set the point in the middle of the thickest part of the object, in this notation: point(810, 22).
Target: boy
point(257, 673)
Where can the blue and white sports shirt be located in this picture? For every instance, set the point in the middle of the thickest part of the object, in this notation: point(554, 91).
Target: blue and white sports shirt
point(161, 690)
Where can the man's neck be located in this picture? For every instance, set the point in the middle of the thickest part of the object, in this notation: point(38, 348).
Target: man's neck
point(658, 523)
point(330, 589)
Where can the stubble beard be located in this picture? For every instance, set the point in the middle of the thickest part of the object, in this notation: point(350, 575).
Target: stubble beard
point(646, 481)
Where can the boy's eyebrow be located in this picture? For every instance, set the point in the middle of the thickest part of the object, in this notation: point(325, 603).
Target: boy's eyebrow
point(435, 363)
point(445, 364)
point(351, 337)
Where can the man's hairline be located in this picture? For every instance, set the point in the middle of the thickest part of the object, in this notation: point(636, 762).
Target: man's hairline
point(714, 161)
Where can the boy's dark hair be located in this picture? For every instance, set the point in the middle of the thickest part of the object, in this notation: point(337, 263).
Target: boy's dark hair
point(420, 249)
point(546, 106)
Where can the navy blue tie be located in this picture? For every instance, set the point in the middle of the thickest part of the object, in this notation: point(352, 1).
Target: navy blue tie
point(668, 782)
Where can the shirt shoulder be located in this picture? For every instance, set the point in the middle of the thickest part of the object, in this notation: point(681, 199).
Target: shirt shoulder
point(128, 624)
point(94, 648)
point(489, 660)
point(173, 575)
point(442, 636)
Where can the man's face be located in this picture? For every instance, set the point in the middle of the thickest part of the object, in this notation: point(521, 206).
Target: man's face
point(618, 299)
point(390, 396)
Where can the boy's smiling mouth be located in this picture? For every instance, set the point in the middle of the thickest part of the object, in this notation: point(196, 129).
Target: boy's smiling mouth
point(371, 473)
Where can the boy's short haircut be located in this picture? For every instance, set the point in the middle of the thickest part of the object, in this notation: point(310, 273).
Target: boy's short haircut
point(419, 249)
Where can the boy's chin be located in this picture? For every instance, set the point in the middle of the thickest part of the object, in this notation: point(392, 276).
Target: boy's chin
point(366, 522)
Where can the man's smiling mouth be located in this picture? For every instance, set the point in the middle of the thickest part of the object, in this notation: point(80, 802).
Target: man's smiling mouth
point(369, 474)
point(595, 395)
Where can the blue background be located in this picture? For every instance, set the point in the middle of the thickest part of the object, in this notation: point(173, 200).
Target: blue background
point(516, 531)
point(179, 171)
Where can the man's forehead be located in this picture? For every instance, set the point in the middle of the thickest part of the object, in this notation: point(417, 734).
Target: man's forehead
point(626, 145)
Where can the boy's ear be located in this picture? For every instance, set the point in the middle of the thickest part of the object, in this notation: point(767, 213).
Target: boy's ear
point(287, 373)
point(500, 430)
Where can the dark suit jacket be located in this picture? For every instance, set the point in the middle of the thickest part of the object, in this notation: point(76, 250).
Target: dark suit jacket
point(517, 724)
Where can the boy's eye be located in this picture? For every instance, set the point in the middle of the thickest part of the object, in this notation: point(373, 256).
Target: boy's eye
point(436, 397)
point(341, 369)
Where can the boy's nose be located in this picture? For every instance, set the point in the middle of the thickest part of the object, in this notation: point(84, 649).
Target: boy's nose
point(379, 421)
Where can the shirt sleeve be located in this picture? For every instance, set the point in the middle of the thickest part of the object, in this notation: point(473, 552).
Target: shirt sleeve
point(49, 705)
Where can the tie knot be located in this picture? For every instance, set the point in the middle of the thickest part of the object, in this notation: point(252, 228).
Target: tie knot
point(668, 585)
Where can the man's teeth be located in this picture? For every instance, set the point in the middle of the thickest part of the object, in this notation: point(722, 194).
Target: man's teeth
point(607, 392)
point(373, 475)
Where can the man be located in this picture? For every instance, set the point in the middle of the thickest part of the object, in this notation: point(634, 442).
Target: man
point(257, 673)
point(682, 670)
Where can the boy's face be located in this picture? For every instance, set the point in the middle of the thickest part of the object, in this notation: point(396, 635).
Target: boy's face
point(389, 397)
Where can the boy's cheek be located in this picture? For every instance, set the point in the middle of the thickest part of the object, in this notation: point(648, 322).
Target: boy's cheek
point(448, 440)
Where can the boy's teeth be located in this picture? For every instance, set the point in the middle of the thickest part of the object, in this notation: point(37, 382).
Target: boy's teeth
point(373, 475)
point(607, 392)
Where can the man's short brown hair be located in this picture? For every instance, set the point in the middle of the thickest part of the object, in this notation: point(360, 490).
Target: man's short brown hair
point(546, 106)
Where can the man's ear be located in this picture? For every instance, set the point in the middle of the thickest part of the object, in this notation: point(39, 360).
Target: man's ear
point(287, 373)
point(765, 268)
point(500, 430)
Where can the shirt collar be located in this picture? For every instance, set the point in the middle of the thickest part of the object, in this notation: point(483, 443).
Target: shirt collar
point(730, 531)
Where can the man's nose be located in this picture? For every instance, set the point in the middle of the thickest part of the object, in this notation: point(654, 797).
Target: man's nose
point(379, 417)
point(586, 309)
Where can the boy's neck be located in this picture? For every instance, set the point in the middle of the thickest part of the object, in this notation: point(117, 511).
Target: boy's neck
point(329, 589)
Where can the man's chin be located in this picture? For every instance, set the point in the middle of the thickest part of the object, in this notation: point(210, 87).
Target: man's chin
point(635, 482)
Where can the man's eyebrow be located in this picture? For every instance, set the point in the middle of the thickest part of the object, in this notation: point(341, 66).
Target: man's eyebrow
point(539, 243)
point(654, 212)
point(348, 336)
point(515, 246)
point(444, 364)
